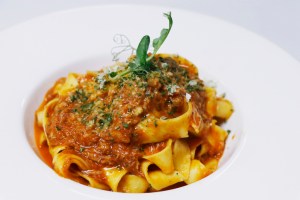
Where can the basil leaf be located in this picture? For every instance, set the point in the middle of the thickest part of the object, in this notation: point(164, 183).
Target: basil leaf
point(157, 42)
point(142, 50)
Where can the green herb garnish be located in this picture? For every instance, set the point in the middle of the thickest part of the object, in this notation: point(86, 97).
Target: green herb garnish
point(125, 125)
point(105, 121)
point(157, 42)
point(141, 64)
point(192, 88)
point(79, 95)
point(108, 117)
point(113, 74)
point(141, 51)
point(81, 149)
point(87, 107)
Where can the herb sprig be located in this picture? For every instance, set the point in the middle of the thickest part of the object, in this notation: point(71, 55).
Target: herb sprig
point(141, 64)
point(157, 42)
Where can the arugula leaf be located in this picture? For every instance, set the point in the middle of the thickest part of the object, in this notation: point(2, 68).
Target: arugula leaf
point(157, 42)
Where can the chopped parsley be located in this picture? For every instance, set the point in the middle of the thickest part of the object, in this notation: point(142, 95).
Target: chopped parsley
point(108, 117)
point(125, 125)
point(87, 107)
point(191, 88)
point(79, 95)
point(81, 149)
point(172, 88)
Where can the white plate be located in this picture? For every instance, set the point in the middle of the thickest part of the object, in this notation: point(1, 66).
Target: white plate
point(262, 79)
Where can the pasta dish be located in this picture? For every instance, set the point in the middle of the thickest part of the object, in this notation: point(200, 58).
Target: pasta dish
point(144, 125)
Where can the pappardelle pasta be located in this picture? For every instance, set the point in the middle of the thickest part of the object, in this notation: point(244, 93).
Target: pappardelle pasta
point(144, 125)
point(138, 133)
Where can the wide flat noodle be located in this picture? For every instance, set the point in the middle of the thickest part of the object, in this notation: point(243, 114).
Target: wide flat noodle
point(40, 117)
point(178, 158)
point(114, 176)
point(47, 109)
point(42, 139)
point(212, 165)
point(92, 182)
point(197, 172)
point(159, 180)
point(182, 157)
point(70, 83)
point(194, 145)
point(211, 104)
point(224, 108)
point(163, 159)
point(62, 161)
point(133, 184)
point(153, 129)
point(217, 136)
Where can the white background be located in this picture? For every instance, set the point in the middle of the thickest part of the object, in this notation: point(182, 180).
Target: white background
point(276, 20)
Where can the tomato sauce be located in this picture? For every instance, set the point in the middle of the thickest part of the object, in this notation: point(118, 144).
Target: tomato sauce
point(96, 120)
